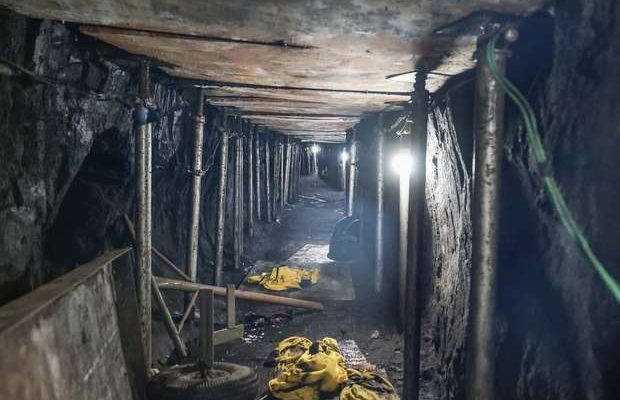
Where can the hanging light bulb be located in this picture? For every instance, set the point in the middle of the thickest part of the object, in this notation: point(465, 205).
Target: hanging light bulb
point(344, 156)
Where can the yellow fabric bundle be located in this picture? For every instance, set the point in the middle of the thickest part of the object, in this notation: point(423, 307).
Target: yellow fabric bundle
point(306, 369)
point(284, 278)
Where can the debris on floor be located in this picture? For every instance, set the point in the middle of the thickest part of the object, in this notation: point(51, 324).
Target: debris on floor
point(307, 370)
point(285, 278)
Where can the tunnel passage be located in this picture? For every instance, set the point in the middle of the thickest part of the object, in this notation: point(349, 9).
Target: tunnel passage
point(291, 117)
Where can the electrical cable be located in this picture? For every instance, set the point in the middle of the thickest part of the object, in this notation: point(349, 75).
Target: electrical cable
point(550, 184)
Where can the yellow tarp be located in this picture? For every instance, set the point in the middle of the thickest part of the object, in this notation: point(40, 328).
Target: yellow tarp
point(306, 369)
point(284, 278)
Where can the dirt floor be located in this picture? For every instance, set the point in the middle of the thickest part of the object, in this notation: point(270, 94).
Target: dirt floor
point(362, 318)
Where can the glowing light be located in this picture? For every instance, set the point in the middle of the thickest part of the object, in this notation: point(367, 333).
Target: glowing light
point(344, 156)
point(315, 148)
point(402, 163)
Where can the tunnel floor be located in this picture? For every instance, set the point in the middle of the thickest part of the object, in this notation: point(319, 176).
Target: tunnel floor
point(300, 237)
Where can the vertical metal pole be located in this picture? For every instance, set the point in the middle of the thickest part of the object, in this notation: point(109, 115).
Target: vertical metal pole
point(403, 239)
point(206, 343)
point(379, 226)
point(143, 209)
point(352, 173)
point(275, 181)
point(343, 171)
point(237, 223)
point(259, 213)
point(268, 180)
point(415, 264)
point(488, 130)
point(315, 163)
point(287, 172)
point(282, 174)
point(250, 174)
point(221, 206)
point(192, 251)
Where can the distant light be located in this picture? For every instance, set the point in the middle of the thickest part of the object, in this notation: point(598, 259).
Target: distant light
point(315, 148)
point(402, 163)
point(344, 156)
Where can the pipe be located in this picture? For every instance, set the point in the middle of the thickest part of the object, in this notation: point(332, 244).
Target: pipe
point(488, 128)
point(267, 180)
point(379, 226)
point(167, 283)
point(415, 265)
point(250, 216)
point(352, 174)
point(259, 211)
point(221, 206)
point(192, 251)
point(143, 209)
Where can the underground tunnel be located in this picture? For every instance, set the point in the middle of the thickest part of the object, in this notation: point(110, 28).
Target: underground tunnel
point(309, 200)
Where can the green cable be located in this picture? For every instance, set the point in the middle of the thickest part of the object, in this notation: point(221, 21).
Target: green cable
point(553, 190)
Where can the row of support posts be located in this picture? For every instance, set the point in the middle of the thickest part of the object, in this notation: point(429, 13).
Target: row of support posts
point(288, 171)
point(488, 142)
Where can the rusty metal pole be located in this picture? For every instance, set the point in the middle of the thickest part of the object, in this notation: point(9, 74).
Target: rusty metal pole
point(259, 213)
point(268, 179)
point(143, 208)
point(221, 206)
point(192, 251)
point(276, 181)
point(488, 130)
point(250, 183)
point(415, 265)
point(379, 194)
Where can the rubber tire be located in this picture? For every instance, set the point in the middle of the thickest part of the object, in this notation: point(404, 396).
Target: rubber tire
point(183, 382)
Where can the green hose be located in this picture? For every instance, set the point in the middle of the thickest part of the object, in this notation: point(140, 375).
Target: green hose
point(553, 191)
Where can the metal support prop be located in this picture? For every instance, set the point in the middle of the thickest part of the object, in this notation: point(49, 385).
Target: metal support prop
point(192, 251)
point(259, 213)
point(268, 179)
point(287, 154)
point(293, 188)
point(315, 163)
point(276, 181)
point(206, 331)
point(343, 172)
point(415, 265)
point(281, 151)
point(238, 218)
point(488, 130)
point(143, 209)
point(352, 174)
point(379, 225)
point(221, 206)
point(403, 237)
point(250, 174)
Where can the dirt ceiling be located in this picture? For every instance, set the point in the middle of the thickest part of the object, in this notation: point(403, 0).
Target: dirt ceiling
point(305, 68)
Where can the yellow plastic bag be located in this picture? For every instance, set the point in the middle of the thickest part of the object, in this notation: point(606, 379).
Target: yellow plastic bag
point(285, 278)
